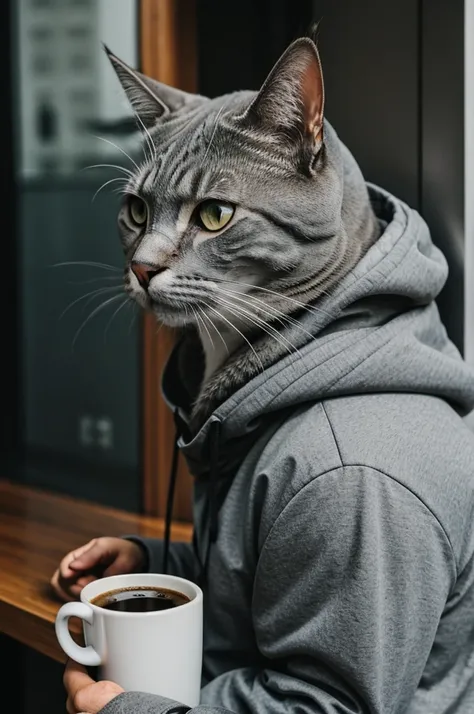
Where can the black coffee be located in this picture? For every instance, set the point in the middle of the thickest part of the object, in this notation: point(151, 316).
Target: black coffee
point(140, 599)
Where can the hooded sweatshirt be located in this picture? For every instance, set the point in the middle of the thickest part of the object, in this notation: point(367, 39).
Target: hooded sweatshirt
point(334, 507)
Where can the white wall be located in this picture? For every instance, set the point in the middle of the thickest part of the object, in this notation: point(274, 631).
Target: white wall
point(117, 28)
point(76, 95)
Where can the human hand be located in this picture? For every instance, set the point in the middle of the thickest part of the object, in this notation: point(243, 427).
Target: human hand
point(97, 559)
point(84, 696)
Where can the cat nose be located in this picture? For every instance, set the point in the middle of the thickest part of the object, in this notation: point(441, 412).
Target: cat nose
point(144, 273)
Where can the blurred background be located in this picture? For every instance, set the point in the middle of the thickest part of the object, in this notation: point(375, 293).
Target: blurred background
point(399, 91)
point(77, 336)
point(395, 82)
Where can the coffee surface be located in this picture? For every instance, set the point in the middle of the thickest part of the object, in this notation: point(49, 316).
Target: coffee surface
point(140, 599)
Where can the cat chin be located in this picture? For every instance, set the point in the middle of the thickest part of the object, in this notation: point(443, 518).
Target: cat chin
point(172, 320)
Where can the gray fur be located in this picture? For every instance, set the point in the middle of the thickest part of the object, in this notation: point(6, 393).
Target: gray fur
point(303, 217)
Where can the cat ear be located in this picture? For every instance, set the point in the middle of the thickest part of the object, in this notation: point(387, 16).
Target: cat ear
point(149, 98)
point(291, 100)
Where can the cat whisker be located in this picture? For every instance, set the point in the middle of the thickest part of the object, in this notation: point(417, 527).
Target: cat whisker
point(91, 295)
point(96, 280)
point(149, 140)
point(113, 180)
point(125, 302)
point(298, 303)
point(276, 314)
point(231, 324)
point(132, 304)
point(200, 321)
point(109, 166)
point(107, 141)
point(214, 129)
point(262, 324)
point(196, 316)
point(216, 329)
point(309, 308)
point(160, 327)
point(126, 191)
point(203, 320)
point(87, 263)
point(93, 313)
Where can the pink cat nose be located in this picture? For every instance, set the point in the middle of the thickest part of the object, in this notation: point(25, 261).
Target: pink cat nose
point(144, 273)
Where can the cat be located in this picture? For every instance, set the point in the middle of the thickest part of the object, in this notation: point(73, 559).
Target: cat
point(246, 210)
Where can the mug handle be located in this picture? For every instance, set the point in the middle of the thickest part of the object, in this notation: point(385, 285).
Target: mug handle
point(83, 655)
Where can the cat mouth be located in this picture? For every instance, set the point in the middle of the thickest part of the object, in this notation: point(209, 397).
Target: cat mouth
point(172, 313)
point(174, 310)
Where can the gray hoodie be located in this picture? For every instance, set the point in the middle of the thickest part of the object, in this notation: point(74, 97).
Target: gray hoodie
point(336, 545)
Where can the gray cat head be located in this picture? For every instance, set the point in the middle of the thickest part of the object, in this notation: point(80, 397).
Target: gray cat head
point(236, 209)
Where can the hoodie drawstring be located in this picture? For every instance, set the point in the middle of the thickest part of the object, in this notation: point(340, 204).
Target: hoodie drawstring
point(213, 513)
point(213, 475)
point(212, 498)
point(170, 496)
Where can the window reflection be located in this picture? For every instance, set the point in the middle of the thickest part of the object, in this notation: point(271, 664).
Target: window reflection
point(79, 365)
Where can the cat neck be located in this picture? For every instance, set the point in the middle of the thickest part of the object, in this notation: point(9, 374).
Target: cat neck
point(217, 348)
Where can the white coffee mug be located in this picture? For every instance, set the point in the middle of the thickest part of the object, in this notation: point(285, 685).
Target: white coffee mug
point(156, 652)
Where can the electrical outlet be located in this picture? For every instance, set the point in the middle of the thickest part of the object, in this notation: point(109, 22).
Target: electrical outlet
point(86, 429)
point(96, 432)
point(105, 433)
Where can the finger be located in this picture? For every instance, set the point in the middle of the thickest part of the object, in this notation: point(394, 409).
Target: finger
point(94, 698)
point(65, 569)
point(71, 709)
point(60, 589)
point(98, 554)
point(75, 678)
point(70, 588)
point(75, 589)
point(83, 581)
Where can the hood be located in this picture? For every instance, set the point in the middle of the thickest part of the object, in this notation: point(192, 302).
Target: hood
point(379, 331)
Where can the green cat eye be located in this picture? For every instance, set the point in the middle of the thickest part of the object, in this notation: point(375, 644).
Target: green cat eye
point(138, 210)
point(214, 215)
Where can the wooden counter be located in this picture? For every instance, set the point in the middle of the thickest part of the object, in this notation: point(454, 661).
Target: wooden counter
point(37, 529)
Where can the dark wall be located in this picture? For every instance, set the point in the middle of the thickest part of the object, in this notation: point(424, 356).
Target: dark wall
point(77, 368)
point(9, 294)
point(442, 146)
point(371, 71)
point(236, 50)
point(394, 79)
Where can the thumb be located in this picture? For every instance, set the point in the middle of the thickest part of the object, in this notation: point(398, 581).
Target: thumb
point(75, 677)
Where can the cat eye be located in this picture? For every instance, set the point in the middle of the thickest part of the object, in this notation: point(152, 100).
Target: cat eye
point(138, 210)
point(214, 215)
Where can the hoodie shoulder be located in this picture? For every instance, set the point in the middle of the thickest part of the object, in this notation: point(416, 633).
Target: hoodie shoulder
point(420, 442)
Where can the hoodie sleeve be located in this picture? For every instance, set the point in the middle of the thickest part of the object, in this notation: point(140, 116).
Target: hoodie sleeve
point(181, 558)
point(351, 582)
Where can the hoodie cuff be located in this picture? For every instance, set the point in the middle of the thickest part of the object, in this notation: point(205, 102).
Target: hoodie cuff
point(153, 551)
point(141, 703)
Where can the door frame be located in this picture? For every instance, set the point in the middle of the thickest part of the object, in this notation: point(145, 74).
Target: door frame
point(167, 53)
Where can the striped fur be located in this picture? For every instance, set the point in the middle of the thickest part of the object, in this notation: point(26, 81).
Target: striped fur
point(302, 217)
